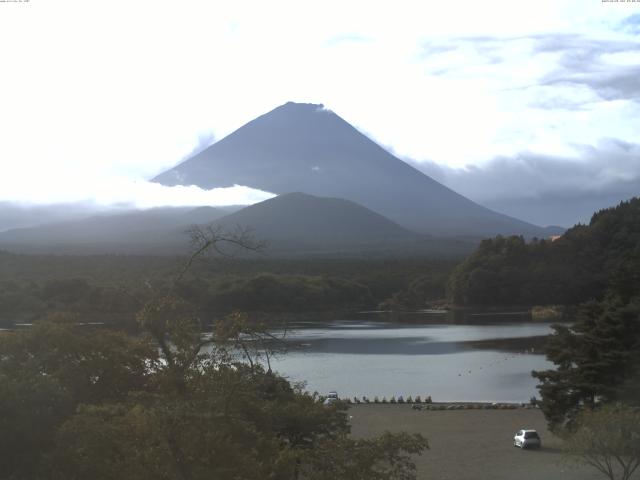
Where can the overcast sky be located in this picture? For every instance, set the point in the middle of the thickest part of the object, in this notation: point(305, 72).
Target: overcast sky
point(502, 100)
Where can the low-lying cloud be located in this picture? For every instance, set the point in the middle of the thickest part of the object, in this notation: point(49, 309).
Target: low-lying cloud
point(25, 207)
point(126, 192)
point(547, 189)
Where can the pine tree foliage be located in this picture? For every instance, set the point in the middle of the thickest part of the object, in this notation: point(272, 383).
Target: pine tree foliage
point(577, 267)
point(597, 360)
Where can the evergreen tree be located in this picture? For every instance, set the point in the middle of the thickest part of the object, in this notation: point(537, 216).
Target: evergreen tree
point(596, 360)
point(575, 268)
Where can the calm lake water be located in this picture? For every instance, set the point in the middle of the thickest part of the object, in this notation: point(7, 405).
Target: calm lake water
point(490, 362)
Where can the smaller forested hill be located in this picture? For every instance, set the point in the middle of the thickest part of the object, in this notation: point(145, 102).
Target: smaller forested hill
point(306, 218)
point(574, 268)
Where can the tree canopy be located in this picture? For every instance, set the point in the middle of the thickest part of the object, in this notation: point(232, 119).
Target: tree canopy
point(597, 358)
point(577, 267)
point(79, 401)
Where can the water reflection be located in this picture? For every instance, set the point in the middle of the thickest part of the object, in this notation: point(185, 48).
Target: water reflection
point(450, 362)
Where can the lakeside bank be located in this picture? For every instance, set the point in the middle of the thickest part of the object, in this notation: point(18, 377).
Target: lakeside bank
point(472, 444)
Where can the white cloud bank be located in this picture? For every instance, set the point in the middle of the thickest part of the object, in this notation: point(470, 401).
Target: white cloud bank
point(125, 192)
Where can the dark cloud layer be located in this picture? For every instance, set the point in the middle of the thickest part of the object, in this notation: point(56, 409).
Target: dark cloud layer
point(582, 62)
point(549, 190)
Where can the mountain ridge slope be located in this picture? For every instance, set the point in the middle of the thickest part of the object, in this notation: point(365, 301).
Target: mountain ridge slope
point(294, 223)
point(305, 148)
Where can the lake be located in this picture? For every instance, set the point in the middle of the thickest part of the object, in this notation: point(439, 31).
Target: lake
point(451, 362)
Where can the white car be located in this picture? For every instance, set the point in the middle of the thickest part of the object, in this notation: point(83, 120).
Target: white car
point(332, 397)
point(527, 439)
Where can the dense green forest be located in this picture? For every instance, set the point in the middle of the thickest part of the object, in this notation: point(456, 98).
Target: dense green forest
point(594, 268)
point(81, 401)
point(93, 403)
point(577, 267)
point(111, 288)
point(596, 358)
point(597, 268)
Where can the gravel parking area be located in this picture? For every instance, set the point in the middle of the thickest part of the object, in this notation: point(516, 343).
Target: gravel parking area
point(472, 444)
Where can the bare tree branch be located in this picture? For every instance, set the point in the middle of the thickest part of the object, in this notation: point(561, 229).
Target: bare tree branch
point(215, 237)
point(608, 439)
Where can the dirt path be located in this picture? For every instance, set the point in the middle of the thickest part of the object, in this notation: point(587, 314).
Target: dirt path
point(472, 444)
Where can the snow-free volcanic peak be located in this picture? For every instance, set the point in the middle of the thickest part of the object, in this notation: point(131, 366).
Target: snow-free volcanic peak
point(303, 147)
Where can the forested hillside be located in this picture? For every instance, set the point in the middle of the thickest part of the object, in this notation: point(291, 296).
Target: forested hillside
point(81, 402)
point(111, 288)
point(578, 266)
point(595, 268)
point(597, 357)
